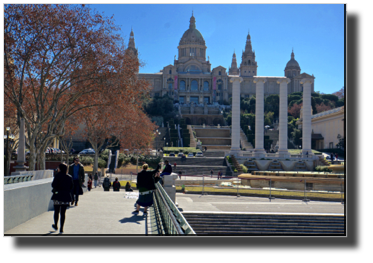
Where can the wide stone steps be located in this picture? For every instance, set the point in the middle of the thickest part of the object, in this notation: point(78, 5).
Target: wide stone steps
point(262, 224)
point(201, 170)
point(217, 161)
point(213, 153)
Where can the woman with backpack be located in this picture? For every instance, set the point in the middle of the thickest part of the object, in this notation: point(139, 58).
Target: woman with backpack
point(106, 184)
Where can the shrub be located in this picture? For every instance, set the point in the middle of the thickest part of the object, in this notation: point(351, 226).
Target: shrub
point(322, 169)
point(244, 168)
point(86, 160)
point(102, 163)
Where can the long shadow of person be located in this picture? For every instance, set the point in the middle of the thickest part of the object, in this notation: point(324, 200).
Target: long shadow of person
point(133, 219)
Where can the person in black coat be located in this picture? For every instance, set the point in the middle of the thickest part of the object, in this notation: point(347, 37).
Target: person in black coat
point(146, 184)
point(76, 170)
point(62, 185)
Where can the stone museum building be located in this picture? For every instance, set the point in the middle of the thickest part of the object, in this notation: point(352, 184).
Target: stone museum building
point(190, 79)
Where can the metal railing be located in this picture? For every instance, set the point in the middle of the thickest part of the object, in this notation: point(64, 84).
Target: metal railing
point(17, 178)
point(168, 216)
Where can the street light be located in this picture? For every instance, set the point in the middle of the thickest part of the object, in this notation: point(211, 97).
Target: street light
point(6, 153)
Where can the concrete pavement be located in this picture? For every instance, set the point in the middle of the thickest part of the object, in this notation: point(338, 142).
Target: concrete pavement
point(246, 204)
point(97, 213)
point(110, 213)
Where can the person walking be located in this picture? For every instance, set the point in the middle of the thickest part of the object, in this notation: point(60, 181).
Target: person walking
point(336, 156)
point(76, 170)
point(95, 179)
point(331, 157)
point(146, 181)
point(211, 172)
point(106, 184)
point(89, 184)
point(116, 185)
point(175, 165)
point(62, 185)
point(219, 175)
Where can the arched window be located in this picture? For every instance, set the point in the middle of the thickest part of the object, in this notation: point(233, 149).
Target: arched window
point(194, 85)
point(206, 86)
point(182, 85)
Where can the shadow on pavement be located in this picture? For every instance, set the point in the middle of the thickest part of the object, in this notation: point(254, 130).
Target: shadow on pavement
point(133, 219)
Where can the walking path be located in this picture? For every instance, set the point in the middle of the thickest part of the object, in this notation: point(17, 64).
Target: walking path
point(110, 213)
point(97, 213)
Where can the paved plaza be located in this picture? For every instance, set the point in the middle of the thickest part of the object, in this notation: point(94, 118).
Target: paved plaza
point(110, 213)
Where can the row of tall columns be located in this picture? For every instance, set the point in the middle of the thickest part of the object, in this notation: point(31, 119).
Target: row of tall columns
point(283, 116)
point(235, 133)
point(259, 117)
point(307, 112)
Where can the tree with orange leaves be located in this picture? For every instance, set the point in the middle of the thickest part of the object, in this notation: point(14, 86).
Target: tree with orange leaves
point(56, 58)
point(121, 121)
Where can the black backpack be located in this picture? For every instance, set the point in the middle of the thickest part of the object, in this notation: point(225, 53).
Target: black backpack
point(106, 182)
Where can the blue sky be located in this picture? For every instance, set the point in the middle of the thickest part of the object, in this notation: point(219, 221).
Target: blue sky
point(316, 32)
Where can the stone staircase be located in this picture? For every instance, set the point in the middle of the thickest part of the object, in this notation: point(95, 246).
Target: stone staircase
point(300, 166)
point(244, 143)
point(214, 153)
point(251, 166)
point(275, 166)
point(323, 161)
point(265, 224)
point(214, 138)
point(193, 143)
point(200, 165)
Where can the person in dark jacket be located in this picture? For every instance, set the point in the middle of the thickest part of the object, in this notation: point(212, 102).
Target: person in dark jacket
point(166, 171)
point(76, 170)
point(128, 187)
point(62, 185)
point(146, 184)
point(106, 184)
point(116, 185)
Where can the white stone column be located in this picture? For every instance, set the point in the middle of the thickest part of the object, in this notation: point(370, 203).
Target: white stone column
point(259, 117)
point(307, 112)
point(235, 134)
point(283, 118)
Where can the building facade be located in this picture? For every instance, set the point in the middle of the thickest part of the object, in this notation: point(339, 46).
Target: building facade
point(327, 126)
point(190, 78)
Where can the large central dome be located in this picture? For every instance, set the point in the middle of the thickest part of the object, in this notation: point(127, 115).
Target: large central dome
point(192, 35)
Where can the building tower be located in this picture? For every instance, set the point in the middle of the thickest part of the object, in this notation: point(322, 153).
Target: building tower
point(131, 49)
point(292, 71)
point(248, 67)
point(192, 45)
point(233, 70)
point(292, 68)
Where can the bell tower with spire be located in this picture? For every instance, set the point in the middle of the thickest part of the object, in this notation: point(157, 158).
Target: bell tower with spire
point(131, 49)
point(248, 67)
point(233, 70)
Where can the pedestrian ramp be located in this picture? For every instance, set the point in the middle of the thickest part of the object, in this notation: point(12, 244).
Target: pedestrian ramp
point(97, 213)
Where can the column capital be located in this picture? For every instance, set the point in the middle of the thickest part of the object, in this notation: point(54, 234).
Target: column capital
point(304, 81)
point(235, 78)
point(283, 80)
point(260, 79)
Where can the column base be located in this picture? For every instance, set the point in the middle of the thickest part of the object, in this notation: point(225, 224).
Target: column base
point(235, 151)
point(305, 151)
point(283, 154)
point(259, 153)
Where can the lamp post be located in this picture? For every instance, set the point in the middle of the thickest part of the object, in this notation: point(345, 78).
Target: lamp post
point(6, 151)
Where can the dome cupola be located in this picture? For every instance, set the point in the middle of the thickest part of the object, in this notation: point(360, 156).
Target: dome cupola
point(192, 35)
point(292, 68)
